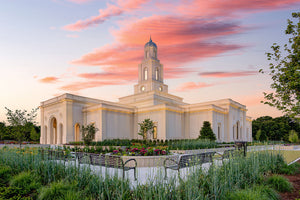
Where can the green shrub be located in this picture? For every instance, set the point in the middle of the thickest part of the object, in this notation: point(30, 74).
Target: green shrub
point(293, 136)
point(11, 193)
point(56, 190)
point(289, 169)
point(27, 182)
point(280, 183)
point(5, 173)
point(256, 193)
point(88, 133)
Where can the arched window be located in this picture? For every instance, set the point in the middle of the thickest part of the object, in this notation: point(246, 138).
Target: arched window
point(145, 74)
point(77, 132)
point(156, 74)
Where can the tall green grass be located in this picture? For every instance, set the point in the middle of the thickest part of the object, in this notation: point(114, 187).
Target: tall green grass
point(236, 174)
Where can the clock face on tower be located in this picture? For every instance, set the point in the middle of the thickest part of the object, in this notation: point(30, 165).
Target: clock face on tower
point(143, 88)
point(160, 88)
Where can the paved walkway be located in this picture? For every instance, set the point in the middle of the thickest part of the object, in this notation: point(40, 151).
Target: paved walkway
point(145, 174)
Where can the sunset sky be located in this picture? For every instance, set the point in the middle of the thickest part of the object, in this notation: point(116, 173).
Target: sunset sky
point(210, 49)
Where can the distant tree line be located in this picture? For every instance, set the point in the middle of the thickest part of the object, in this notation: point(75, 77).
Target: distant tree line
point(268, 128)
point(31, 133)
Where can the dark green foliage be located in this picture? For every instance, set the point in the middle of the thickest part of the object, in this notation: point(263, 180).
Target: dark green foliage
point(289, 169)
point(206, 132)
point(13, 193)
point(280, 183)
point(5, 173)
point(285, 71)
point(274, 128)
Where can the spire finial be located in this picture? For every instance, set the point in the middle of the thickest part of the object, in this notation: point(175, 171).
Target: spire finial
point(150, 39)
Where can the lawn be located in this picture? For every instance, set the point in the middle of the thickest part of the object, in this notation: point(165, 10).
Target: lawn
point(290, 156)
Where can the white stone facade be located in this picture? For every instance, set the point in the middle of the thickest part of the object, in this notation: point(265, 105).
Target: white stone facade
point(62, 117)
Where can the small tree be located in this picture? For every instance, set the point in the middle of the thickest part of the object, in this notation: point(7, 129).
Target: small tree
point(293, 136)
point(145, 126)
point(35, 136)
point(19, 121)
point(206, 132)
point(285, 71)
point(88, 133)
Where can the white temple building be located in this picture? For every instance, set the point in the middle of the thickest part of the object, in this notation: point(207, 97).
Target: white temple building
point(62, 116)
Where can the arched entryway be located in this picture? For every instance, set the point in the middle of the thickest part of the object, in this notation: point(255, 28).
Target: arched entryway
point(77, 132)
point(53, 131)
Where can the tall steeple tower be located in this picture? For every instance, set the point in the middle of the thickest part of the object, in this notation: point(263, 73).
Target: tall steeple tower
point(151, 75)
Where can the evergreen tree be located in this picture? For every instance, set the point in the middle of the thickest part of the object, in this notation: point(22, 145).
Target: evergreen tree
point(206, 132)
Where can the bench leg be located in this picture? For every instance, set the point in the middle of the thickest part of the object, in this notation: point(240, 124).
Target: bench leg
point(123, 173)
point(178, 173)
point(165, 173)
point(135, 174)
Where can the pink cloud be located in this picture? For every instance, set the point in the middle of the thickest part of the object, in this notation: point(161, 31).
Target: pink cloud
point(50, 79)
point(172, 30)
point(229, 8)
point(108, 76)
point(227, 74)
point(192, 86)
point(76, 86)
point(185, 45)
point(104, 14)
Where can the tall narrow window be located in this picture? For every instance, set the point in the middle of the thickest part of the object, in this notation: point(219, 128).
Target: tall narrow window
point(237, 130)
point(233, 129)
point(219, 132)
point(145, 74)
point(156, 74)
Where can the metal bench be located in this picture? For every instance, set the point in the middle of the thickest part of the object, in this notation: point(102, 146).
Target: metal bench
point(110, 161)
point(228, 153)
point(187, 160)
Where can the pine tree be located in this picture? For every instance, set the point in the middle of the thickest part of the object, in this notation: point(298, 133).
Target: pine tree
point(206, 132)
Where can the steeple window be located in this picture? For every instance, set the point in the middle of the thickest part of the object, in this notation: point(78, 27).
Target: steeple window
point(146, 74)
point(156, 74)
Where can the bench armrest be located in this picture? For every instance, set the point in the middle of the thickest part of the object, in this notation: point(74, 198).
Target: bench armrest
point(132, 159)
point(170, 159)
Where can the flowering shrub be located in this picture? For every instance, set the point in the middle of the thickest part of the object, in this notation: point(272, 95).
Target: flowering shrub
point(140, 150)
